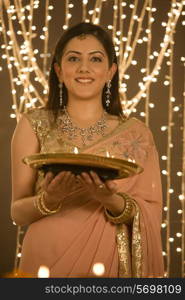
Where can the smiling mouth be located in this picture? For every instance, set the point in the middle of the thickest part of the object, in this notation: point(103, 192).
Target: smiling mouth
point(84, 80)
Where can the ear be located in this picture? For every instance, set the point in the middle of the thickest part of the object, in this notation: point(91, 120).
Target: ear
point(112, 71)
point(57, 69)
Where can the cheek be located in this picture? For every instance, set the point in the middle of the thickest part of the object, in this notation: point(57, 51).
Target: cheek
point(101, 77)
point(67, 72)
point(101, 71)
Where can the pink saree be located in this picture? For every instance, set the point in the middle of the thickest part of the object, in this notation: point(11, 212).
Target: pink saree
point(70, 242)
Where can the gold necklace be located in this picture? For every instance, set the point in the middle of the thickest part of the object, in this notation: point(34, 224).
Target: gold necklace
point(72, 131)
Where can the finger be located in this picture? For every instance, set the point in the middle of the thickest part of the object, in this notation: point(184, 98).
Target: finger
point(48, 178)
point(96, 178)
point(55, 183)
point(87, 178)
point(60, 176)
point(81, 180)
point(69, 180)
point(49, 175)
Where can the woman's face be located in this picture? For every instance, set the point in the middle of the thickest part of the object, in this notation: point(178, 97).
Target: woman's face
point(84, 68)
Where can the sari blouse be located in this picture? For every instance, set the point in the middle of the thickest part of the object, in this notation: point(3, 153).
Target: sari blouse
point(71, 241)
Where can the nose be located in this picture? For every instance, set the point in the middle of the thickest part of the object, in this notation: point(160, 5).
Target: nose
point(84, 66)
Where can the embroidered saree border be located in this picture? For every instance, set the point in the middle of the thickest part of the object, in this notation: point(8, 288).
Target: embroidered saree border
point(129, 250)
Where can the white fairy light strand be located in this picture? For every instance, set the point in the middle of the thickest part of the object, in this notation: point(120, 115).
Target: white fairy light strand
point(169, 153)
point(183, 188)
point(148, 61)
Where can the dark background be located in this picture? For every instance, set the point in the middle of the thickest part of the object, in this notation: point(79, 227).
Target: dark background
point(159, 95)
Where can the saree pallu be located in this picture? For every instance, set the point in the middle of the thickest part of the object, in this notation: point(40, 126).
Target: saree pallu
point(70, 242)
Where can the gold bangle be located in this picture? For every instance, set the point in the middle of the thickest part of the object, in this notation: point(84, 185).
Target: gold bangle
point(47, 209)
point(125, 216)
point(40, 205)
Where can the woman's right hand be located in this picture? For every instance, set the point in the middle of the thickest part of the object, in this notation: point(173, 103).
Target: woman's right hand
point(57, 187)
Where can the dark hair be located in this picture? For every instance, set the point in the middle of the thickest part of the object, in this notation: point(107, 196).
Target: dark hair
point(83, 28)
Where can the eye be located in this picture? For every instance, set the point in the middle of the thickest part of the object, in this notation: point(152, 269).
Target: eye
point(73, 58)
point(96, 59)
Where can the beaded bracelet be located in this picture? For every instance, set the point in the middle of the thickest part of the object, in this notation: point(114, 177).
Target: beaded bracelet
point(40, 205)
point(125, 216)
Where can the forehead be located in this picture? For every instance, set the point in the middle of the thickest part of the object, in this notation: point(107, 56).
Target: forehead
point(85, 43)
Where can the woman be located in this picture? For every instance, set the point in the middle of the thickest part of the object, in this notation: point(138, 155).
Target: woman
point(77, 221)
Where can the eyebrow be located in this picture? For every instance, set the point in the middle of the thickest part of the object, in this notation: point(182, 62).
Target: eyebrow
point(77, 52)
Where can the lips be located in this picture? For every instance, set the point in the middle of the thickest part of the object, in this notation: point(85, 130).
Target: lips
point(84, 80)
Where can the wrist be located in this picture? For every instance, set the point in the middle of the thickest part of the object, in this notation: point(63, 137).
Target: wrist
point(115, 205)
point(43, 208)
point(127, 213)
point(51, 202)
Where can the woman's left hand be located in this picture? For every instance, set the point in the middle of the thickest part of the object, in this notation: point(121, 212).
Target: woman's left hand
point(102, 191)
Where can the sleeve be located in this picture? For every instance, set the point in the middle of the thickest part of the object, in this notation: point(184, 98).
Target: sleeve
point(39, 123)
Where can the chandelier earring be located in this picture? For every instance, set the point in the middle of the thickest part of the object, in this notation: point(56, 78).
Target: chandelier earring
point(108, 93)
point(60, 93)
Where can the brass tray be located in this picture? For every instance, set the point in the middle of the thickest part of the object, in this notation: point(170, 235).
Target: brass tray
point(105, 167)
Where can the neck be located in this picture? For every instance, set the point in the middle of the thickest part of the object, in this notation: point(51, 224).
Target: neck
point(85, 111)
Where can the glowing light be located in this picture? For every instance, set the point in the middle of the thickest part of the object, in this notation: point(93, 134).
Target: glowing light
point(43, 272)
point(178, 234)
point(176, 108)
point(107, 154)
point(178, 249)
point(163, 225)
point(179, 173)
point(98, 269)
point(12, 116)
point(76, 150)
point(163, 128)
point(171, 240)
point(164, 157)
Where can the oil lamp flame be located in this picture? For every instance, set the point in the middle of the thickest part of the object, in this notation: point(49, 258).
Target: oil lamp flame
point(107, 154)
point(131, 160)
point(76, 150)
